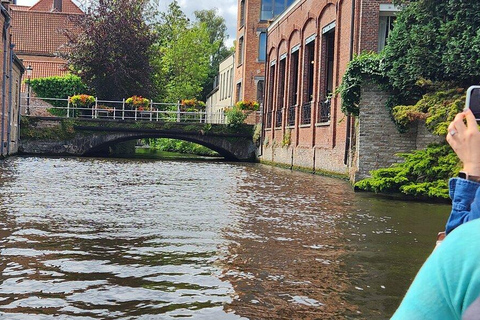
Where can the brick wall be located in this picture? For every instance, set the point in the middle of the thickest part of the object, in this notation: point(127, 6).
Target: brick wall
point(377, 138)
point(246, 72)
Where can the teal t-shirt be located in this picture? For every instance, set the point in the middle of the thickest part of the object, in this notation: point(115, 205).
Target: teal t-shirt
point(449, 281)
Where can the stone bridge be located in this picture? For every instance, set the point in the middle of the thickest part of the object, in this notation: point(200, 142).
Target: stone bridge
point(87, 137)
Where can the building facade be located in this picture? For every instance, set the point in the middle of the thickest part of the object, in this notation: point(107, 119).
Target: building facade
point(11, 69)
point(38, 35)
point(254, 16)
point(308, 48)
point(222, 95)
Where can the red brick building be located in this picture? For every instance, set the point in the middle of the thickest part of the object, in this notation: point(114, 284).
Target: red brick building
point(308, 48)
point(253, 18)
point(38, 34)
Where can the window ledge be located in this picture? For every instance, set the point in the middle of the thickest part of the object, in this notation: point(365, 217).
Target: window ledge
point(290, 127)
point(305, 125)
point(322, 124)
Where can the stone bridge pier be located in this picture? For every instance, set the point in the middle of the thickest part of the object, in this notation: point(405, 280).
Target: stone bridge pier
point(85, 137)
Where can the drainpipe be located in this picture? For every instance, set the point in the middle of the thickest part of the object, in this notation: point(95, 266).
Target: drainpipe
point(10, 96)
point(6, 26)
point(348, 134)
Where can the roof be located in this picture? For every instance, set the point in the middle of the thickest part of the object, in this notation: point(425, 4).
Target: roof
point(39, 32)
point(67, 6)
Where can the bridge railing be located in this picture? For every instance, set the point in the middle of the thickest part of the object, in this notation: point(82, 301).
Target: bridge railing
point(118, 110)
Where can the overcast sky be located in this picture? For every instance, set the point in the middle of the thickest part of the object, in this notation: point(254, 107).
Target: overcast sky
point(226, 8)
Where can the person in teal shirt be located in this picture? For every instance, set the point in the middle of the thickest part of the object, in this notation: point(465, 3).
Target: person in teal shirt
point(448, 284)
point(449, 281)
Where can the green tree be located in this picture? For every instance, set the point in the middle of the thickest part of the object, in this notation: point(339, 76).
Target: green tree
point(217, 31)
point(434, 40)
point(111, 50)
point(182, 57)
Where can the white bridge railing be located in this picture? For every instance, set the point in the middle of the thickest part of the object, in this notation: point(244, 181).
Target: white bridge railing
point(119, 110)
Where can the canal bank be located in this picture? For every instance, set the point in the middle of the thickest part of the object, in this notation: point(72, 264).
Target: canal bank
point(109, 238)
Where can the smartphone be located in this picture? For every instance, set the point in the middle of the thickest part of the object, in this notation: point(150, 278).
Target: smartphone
point(473, 101)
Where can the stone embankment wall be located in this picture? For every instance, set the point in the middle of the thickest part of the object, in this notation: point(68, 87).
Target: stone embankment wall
point(377, 139)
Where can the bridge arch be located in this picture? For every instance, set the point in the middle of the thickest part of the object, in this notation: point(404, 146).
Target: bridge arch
point(227, 154)
point(84, 137)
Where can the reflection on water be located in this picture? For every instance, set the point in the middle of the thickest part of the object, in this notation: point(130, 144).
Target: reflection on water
point(139, 239)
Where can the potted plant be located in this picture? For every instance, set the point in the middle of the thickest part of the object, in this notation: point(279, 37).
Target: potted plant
point(82, 102)
point(138, 102)
point(192, 105)
point(246, 105)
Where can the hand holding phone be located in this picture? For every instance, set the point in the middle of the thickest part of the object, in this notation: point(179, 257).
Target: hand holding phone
point(472, 101)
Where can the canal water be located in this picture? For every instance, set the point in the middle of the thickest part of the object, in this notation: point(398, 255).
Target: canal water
point(87, 238)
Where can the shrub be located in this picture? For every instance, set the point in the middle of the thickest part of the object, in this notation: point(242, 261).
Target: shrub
point(423, 173)
point(57, 87)
point(235, 116)
point(437, 108)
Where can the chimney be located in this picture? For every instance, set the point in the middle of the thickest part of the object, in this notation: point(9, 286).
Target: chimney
point(57, 5)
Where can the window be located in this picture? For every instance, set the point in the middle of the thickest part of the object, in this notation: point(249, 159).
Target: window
point(260, 85)
point(227, 84)
point(328, 47)
point(309, 69)
point(386, 22)
point(221, 86)
point(309, 76)
point(240, 51)
point(239, 92)
point(262, 46)
point(266, 12)
point(280, 92)
point(242, 13)
point(272, 8)
point(293, 95)
point(271, 84)
point(281, 83)
point(385, 27)
point(230, 87)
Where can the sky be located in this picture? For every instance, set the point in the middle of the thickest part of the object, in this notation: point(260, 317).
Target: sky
point(225, 8)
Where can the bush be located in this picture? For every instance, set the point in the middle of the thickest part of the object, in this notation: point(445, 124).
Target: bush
point(438, 109)
point(423, 173)
point(57, 87)
point(235, 116)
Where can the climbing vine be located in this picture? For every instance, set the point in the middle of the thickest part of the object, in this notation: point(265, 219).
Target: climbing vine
point(367, 65)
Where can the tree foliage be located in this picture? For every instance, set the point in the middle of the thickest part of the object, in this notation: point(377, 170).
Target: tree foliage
point(111, 50)
point(185, 51)
point(432, 55)
point(217, 31)
point(434, 40)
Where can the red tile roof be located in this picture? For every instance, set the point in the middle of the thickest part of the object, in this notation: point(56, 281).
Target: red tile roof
point(37, 33)
point(48, 6)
